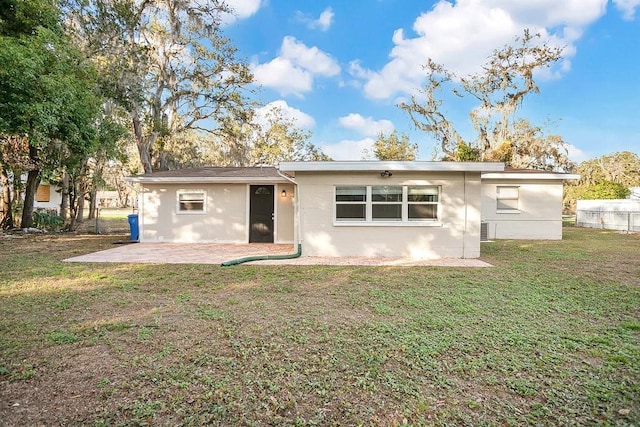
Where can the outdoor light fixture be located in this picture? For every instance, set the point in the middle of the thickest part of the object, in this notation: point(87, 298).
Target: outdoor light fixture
point(284, 193)
point(385, 174)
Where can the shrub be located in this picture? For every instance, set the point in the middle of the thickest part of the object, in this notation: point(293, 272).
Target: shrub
point(47, 221)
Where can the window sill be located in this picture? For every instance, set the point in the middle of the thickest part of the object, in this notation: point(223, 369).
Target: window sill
point(191, 213)
point(387, 224)
point(508, 211)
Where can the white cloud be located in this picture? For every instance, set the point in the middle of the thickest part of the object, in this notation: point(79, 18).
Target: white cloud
point(282, 75)
point(309, 58)
point(293, 71)
point(300, 118)
point(366, 125)
point(242, 9)
point(576, 154)
point(322, 23)
point(462, 34)
point(628, 8)
point(348, 149)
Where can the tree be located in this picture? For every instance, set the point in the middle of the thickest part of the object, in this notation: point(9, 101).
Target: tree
point(606, 190)
point(47, 91)
point(499, 90)
point(279, 139)
point(605, 177)
point(622, 168)
point(167, 63)
point(14, 158)
point(394, 146)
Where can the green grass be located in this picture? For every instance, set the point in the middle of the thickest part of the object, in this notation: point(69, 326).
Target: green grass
point(549, 336)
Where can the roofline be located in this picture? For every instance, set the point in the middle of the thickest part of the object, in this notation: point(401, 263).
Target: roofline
point(203, 180)
point(414, 166)
point(531, 176)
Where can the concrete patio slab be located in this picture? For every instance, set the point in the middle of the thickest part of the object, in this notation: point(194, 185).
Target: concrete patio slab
point(216, 253)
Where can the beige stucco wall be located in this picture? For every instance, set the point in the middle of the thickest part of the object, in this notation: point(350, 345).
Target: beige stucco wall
point(225, 221)
point(284, 224)
point(540, 210)
point(457, 234)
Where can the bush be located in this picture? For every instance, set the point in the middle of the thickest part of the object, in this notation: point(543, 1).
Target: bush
point(606, 190)
point(47, 221)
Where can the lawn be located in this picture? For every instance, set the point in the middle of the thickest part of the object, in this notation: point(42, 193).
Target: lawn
point(549, 336)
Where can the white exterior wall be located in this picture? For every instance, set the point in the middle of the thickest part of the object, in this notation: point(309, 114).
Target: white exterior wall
point(455, 235)
point(55, 199)
point(226, 219)
point(539, 213)
point(285, 218)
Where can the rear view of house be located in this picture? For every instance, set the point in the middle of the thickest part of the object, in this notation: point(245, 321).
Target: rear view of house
point(353, 209)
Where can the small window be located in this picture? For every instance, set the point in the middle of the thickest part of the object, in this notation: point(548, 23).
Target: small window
point(507, 198)
point(386, 203)
point(191, 202)
point(43, 193)
point(423, 203)
point(351, 203)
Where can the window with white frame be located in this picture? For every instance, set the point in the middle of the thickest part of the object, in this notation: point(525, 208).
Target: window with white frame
point(192, 201)
point(422, 203)
point(393, 203)
point(386, 203)
point(507, 198)
point(351, 203)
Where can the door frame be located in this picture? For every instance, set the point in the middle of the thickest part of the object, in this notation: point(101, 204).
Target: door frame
point(275, 209)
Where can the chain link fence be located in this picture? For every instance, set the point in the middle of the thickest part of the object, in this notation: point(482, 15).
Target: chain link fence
point(623, 215)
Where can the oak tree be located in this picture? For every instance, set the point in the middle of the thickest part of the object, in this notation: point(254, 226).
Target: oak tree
point(167, 63)
point(394, 146)
point(498, 92)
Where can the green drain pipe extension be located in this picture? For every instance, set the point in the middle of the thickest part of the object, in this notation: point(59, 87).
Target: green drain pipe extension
point(263, 257)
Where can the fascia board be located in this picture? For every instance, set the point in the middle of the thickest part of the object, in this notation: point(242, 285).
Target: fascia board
point(531, 176)
point(203, 180)
point(394, 166)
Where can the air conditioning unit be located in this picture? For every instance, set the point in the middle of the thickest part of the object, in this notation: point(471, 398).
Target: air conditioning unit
point(484, 231)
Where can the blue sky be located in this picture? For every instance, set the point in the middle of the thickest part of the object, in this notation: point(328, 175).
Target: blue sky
point(339, 68)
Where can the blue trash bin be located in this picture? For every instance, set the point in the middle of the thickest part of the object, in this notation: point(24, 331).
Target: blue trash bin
point(133, 227)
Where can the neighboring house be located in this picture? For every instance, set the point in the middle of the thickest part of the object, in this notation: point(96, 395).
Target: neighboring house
point(523, 204)
point(48, 197)
point(361, 208)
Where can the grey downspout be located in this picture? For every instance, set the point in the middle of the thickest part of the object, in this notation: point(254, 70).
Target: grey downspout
point(263, 258)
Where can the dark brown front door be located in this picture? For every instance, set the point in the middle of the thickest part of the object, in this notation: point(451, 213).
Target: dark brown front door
point(261, 214)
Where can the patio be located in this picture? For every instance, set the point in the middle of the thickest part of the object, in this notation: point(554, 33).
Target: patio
point(217, 253)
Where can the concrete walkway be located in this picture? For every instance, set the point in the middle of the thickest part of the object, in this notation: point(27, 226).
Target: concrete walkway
point(216, 253)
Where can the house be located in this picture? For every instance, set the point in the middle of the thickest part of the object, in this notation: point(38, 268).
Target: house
point(48, 197)
point(352, 208)
point(216, 205)
point(523, 204)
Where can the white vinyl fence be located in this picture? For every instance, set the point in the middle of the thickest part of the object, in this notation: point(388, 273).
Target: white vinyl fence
point(621, 215)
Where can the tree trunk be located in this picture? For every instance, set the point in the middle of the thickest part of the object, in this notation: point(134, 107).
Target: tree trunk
point(92, 204)
point(6, 219)
point(33, 179)
point(64, 205)
point(80, 201)
point(143, 143)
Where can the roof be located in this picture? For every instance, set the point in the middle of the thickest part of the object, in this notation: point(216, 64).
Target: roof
point(213, 175)
point(392, 166)
point(513, 173)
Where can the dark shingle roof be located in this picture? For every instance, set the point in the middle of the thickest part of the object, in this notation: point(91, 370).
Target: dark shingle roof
point(217, 174)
